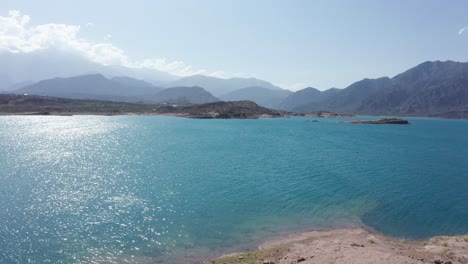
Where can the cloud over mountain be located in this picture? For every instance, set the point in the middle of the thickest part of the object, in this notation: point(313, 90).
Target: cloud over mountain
point(18, 35)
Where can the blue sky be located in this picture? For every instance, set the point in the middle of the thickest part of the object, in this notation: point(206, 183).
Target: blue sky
point(290, 43)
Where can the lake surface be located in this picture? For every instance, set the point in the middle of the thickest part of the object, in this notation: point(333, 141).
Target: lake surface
point(146, 189)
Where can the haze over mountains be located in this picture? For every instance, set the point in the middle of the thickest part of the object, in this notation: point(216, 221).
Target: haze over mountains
point(433, 88)
point(218, 86)
point(125, 89)
point(263, 96)
point(18, 69)
point(92, 86)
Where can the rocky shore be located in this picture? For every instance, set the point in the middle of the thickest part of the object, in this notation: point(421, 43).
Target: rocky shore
point(353, 246)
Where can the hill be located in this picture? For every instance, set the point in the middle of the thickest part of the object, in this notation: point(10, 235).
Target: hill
point(226, 110)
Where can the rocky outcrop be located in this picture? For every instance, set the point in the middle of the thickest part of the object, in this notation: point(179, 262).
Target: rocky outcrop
point(328, 115)
point(385, 121)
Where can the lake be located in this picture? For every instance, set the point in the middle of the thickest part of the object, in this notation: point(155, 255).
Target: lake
point(153, 189)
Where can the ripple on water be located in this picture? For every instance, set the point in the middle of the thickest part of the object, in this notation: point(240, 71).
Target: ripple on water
point(146, 189)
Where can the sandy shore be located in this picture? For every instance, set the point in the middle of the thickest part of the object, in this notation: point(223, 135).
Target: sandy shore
point(353, 246)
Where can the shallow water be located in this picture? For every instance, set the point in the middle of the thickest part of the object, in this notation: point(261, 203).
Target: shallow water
point(145, 189)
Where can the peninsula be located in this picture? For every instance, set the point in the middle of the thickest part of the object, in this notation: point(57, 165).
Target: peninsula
point(45, 105)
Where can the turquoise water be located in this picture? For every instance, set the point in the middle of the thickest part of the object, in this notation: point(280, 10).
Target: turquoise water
point(136, 189)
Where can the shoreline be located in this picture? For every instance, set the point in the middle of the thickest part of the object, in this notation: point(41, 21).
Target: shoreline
point(185, 115)
point(352, 245)
point(88, 114)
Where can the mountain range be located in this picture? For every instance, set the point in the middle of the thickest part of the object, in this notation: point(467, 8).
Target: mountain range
point(19, 69)
point(125, 89)
point(92, 86)
point(219, 86)
point(433, 88)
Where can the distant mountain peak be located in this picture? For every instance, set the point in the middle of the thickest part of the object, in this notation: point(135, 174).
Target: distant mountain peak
point(219, 86)
point(89, 86)
point(308, 89)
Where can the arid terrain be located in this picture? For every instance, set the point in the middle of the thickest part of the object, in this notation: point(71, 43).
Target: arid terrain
point(353, 246)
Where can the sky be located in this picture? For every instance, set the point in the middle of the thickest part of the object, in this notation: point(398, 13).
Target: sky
point(293, 43)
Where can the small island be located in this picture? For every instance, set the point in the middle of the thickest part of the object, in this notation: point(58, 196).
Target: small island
point(384, 121)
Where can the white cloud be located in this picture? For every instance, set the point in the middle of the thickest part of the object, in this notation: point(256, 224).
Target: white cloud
point(462, 30)
point(18, 36)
